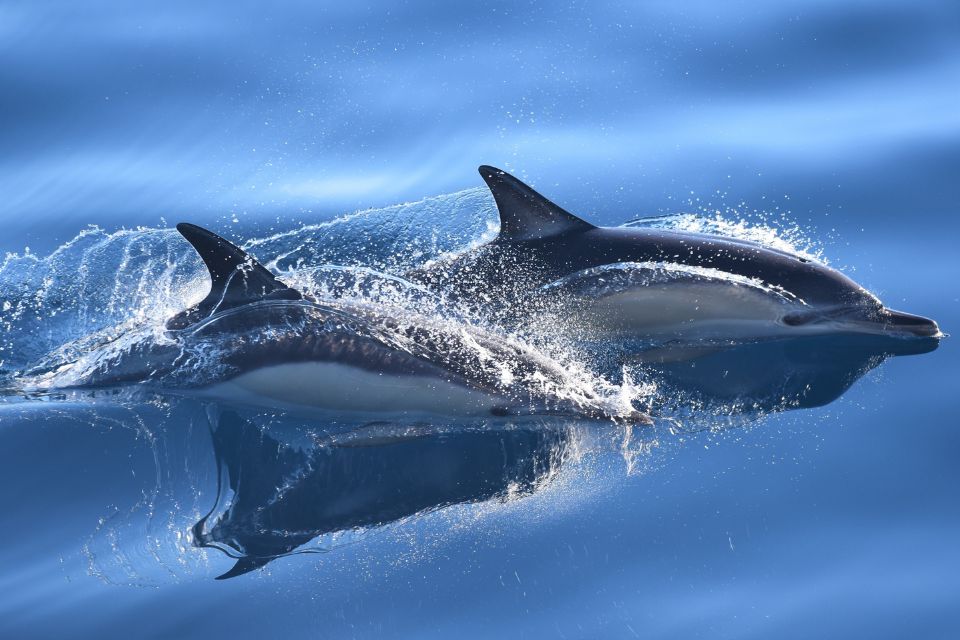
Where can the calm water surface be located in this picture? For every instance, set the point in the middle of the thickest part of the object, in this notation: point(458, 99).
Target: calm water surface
point(834, 124)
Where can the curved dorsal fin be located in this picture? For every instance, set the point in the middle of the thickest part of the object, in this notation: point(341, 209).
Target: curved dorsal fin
point(524, 213)
point(246, 564)
point(235, 277)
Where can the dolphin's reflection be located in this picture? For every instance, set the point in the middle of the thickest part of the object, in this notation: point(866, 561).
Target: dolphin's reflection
point(283, 496)
point(276, 496)
point(774, 375)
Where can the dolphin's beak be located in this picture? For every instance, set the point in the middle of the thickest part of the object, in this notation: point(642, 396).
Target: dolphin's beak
point(909, 323)
point(877, 321)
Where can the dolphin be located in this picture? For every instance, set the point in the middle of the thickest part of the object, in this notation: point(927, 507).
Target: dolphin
point(254, 340)
point(275, 497)
point(618, 283)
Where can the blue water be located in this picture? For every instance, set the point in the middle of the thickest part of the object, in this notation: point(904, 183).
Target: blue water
point(834, 124)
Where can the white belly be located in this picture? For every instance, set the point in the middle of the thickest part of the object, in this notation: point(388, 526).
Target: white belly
point(339, 387)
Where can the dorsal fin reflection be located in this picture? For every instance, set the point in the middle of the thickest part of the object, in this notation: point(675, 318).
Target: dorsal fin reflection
point(283, 495)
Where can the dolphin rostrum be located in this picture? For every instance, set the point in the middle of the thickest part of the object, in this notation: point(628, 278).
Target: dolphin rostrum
point(629, 282)
point(255, 340)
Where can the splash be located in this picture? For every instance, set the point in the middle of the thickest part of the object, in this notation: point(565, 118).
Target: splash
point(105, 295)
point(787, 236)
point(392, 240)
point(110, 281)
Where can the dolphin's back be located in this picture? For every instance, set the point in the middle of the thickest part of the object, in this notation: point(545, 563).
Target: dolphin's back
point(809, 281)
point(539, 243)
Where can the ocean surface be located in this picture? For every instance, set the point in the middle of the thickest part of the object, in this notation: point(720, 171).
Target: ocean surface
point(811, 493)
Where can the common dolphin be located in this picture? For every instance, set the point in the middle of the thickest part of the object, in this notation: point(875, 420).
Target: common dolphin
point(626, 282)
point(275, 497)
point(255, 340)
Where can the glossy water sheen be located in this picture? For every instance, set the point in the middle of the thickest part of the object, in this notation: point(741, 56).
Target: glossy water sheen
point(830, 520)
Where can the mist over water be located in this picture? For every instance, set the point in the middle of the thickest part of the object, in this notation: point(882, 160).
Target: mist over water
point(784, 490)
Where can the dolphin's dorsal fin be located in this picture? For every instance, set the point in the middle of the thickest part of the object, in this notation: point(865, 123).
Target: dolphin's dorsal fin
point(235, 277)
point(244, 565)
point(524, 213)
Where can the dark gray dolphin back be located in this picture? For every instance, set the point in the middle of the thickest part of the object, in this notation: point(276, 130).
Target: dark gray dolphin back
point(235, 277)
point(524, 213)
point(550, 243)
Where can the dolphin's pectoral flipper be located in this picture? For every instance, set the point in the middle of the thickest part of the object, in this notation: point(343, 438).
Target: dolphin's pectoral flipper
point(235, 277)
point(524, 213)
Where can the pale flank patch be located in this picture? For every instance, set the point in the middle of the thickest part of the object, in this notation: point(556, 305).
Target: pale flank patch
point(341, 387)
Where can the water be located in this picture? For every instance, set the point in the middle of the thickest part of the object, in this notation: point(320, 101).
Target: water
point(824, 128)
